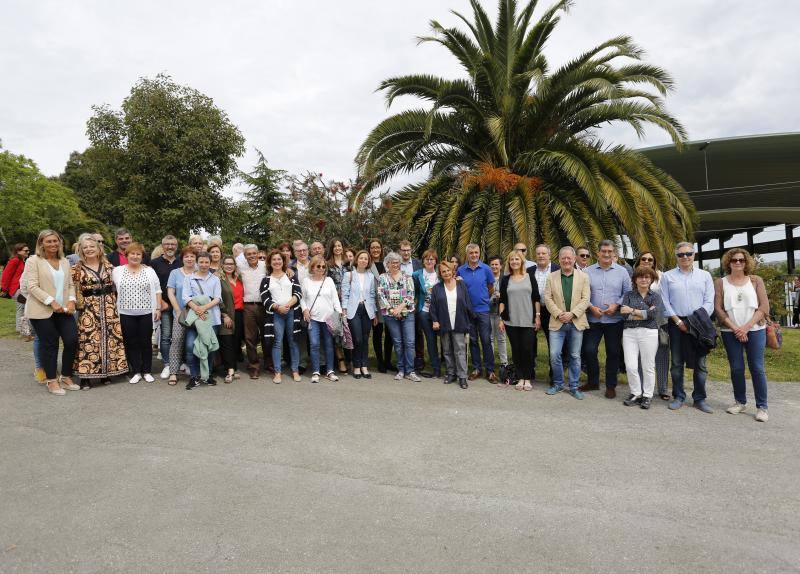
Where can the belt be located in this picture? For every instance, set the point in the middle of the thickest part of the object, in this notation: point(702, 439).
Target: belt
point(251, 303)
point(99, 291)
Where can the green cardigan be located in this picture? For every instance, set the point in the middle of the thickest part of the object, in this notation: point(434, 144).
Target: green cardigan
point(226, 306)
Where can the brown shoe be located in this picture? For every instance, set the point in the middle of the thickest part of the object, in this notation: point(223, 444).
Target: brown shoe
point(587, 387)
point(492, 378)
point(611, 393)
point(53, 387)
point(474, 375)
point(254, 374)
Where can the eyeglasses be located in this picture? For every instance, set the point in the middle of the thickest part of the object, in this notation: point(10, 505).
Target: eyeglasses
point(647, 259)
point(685, 254)
point(738, 260)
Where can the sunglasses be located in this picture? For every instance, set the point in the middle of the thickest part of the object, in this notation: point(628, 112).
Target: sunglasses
point(262, 258)
point(686, 254)
point(319, 266)
point(584, 255)
point(648, 259)
point(524, 249)
point(738, 260)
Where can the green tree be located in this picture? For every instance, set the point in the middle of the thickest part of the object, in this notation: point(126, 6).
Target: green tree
point(32, 202)
point(513, 150)
point(160, 162)
point(251, 219)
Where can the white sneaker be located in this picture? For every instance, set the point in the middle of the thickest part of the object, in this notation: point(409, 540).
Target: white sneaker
point(165, 372)
point(412, 376)
point(762, 416)
point(736, 408)
point(399, 376)
point(331, 376)
point(135, 379)
point(315, 378)
point(149, 378)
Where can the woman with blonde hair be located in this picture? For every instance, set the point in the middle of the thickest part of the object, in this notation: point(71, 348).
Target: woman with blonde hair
point(451, 314)
point(101, 352)
point(319, 301)
point(231, 332)
point(520, 315)
point(742, 306)
point(196, 243)
point(50, 308)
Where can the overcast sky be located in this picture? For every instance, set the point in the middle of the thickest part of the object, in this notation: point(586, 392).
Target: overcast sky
point(298, 78)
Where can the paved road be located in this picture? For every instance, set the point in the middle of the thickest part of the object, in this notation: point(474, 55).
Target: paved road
point(388, 477)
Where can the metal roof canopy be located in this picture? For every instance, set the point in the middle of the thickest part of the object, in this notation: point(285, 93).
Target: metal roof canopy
point(737, 183)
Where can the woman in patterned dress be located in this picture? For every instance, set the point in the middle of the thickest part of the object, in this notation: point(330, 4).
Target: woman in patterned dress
point(101, 354)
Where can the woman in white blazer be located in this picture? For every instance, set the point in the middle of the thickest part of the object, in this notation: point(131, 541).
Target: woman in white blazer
point(50, 308)
point(358, 301)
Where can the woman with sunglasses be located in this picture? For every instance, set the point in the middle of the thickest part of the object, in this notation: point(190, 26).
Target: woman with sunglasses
point(320, 300)
point(742, 306)
point(648, 259)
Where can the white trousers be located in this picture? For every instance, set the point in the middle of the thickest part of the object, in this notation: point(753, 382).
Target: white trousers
point(635, 343)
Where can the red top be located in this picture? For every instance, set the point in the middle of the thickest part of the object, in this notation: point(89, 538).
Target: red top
point(238, 295)
point(11, 275)
point(122, 259)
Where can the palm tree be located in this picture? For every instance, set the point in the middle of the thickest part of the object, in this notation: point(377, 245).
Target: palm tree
point(513, 150)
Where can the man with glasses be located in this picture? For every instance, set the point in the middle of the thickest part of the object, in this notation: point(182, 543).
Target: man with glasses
point(584, 258)
point(543, 268)
point(163, 266)
point(479, 280)
point(252, 271)
point(524, 249)
point(684, 290)
point(608, 282)
point(303, 271)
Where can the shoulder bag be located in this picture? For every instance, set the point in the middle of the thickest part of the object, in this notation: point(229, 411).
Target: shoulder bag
point(185, 310)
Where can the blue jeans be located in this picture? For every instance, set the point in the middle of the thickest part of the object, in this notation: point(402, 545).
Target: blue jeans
point(567, 332)
point(36, 360)
point(318, 332)
point(756, 341)
point(284, 325)
point(192, 361)
point(699, 374)
point(481, 328)
point(402, 333)
point(166, 335)
point(431, 341)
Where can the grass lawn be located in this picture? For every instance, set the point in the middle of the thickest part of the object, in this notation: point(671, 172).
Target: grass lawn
point(782, 365)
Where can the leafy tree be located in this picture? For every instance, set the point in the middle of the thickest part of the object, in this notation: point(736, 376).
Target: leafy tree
point(32, 202)
point(159, 163)
point(513, 148)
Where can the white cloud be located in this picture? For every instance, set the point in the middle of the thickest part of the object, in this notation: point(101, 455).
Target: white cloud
point(299, 78)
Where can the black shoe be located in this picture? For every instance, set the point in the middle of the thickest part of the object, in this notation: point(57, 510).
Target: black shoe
point(211, 382)
point(645, 403)
point(86, 384)
point(356, 375)
point(193, 383)
point(463, 383)
point(632, 400)
point(301, 369)
point(391, 367)
point(107, 381)
point(426, 375)
point(366, 375)
point(381, 369)
point(449, 379)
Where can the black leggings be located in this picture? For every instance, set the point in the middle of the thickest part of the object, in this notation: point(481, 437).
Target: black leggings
point(137, 334)
point(49, 331)
point(383, 350)
point(522, 340)
point(230, 346)
point(360, 325)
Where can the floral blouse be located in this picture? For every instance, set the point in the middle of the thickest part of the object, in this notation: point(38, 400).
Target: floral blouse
point(392, 293)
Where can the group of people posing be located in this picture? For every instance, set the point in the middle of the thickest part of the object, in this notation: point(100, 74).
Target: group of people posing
point(315, 309)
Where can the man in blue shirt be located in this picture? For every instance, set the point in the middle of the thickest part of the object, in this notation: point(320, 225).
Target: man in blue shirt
point(608, 282)
point(479, 279)
point(684, 290)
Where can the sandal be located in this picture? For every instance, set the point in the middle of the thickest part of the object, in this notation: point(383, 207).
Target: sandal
point(520, 386)
point(528, 386)
point(229, 378)
point(236, 375)
point(173, 380)
point(665, 397)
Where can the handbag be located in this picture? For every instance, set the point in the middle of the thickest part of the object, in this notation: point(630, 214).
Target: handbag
point(21, 299)
point(184, 314)
point(663, 337)
point(774, 335)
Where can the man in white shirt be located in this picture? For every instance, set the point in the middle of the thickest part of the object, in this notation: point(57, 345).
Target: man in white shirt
point(524, 249)
point(252, 271)
point(301, 262)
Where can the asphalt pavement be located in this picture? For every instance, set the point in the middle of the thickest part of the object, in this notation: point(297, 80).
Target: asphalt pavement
point(385, 476)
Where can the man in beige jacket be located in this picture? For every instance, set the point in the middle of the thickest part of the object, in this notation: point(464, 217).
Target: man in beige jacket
point(566, 296)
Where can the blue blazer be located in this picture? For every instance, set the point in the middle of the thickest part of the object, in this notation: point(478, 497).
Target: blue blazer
point(351, 294)
point(440, 314)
